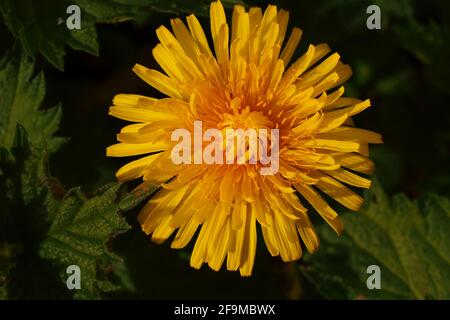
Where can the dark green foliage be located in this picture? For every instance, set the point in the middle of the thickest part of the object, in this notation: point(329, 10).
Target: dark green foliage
point(41, 25)
point(403, 227)
point(22, 96)
point(407, 240)
point(80, 233)
point(43, 229)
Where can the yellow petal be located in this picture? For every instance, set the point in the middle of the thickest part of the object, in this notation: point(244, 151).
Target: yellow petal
point(169, 64)
point(198, 255)
point(185, 39)
point(221, 248)
point(167, 38)
point(355, 162)
point(163, 231)
point(198, 34)
point(139, 115)
point(158, 81)
point(308, 234)
point(335, 145)
point(271, 240)
point(218, 21)
point(133, 100)
point(288, 243)
point(316, 200)
point(238, 236)
point(249, 247)
point(350, 178)
point(135, 168)
point(350, 133)
point(127, 149)
point(291, 45)
point(255, 16)
point(338, 191)
point(321, 51)
point(297, 68)
point(282, 19)
point(268, 20)
point(238, 12)
point(343, 102)
point(334, 119)
point(313, 76)
point(185, 234)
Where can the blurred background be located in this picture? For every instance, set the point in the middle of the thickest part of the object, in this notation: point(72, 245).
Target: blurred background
point(403, 68)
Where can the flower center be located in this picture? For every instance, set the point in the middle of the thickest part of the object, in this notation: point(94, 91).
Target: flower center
point(245, 119)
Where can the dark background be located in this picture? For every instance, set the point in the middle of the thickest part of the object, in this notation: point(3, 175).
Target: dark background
point(403, 68)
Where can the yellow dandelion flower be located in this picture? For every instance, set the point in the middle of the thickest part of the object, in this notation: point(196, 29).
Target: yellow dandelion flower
point(248, 84)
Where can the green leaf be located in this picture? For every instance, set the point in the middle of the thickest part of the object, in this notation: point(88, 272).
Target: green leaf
point(41, 26)
point(22, 184)
point(51, 231)
point(22, 96)
point(408, 240)
point(38, 27)
point(24, 190)
point(80, 234)
point(199, 7)
point(85, 39)
point(110, 11)
point(41, 227)
point(133, 199)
